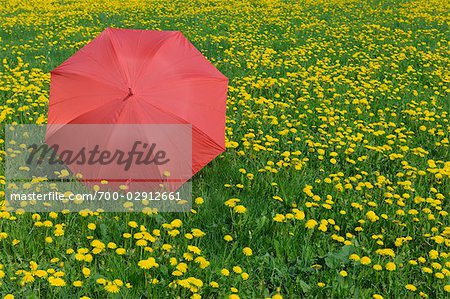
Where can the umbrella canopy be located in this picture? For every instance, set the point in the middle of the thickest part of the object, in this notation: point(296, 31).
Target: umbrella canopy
point(142, 77)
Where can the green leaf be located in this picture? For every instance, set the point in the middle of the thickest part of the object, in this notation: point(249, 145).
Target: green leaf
point(345, 252)
point(331, 261)
point(305, 287)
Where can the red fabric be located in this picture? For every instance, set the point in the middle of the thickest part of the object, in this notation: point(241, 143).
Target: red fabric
point(143, 77)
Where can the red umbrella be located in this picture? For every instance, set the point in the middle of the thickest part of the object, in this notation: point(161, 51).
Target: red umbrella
point(141, 77)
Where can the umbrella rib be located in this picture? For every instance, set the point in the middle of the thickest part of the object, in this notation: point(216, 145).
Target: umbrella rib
point(98, 63)
point(137, 47)
point(71, 98)
point(197, 76)
point(213, 143)
point(183, 59)
point(196, 54)
point(120, 66)
point(106, 146)
point(93, 78)
point(182, 121)
point(93, 109)
point(161, 43)
point(71, 122)
point(197, 103)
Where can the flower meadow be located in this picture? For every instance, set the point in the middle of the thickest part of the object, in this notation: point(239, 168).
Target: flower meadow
point(336, 178)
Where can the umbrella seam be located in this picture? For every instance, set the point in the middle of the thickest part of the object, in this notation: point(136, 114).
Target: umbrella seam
point(183, 120)
point(119, 64)
point(161, 43)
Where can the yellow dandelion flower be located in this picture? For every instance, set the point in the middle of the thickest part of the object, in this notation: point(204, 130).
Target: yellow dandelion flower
point(247, 251)
point(228, 238)
point(411, 287)
point(391, 266)
point(240, 209)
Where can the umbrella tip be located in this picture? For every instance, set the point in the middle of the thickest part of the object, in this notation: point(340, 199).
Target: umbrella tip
point(130, 93)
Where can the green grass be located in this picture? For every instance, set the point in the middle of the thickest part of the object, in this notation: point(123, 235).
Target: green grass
point(337, 72)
